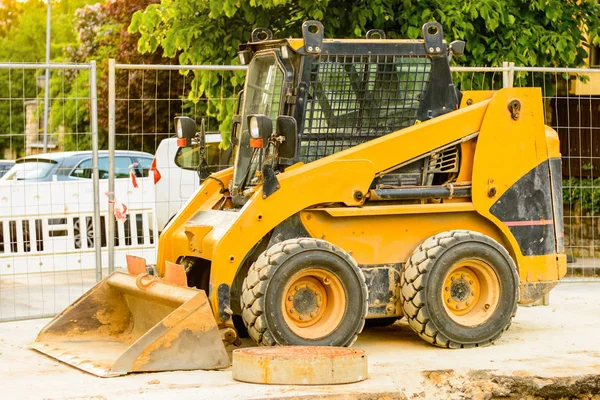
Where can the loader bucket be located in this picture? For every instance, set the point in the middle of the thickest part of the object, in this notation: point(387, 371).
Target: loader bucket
point(132, 324)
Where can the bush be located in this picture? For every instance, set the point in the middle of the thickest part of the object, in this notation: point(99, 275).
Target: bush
point(583, 194)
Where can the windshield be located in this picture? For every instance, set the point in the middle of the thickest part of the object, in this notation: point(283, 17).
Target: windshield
point(262, 95)
point(30, 170)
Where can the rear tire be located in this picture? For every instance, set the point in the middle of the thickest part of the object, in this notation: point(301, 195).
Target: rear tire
point(304, 292)
point(459, 289)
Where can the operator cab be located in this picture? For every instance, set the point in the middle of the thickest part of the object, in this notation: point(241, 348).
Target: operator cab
point(305, 99)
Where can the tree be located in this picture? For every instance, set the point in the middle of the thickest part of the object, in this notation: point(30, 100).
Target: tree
point(23, 39)
point(528, 32)
point(102, 34)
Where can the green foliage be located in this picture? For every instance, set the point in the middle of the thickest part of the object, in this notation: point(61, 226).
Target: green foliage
point(102, 34)
point(23, 39)
point(582, 194)
point(527, 32)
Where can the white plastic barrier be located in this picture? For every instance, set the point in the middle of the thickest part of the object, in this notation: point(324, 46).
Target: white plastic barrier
point(48, 226)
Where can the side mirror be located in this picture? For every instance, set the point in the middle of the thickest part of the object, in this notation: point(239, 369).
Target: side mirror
point(288, 128)
point(185, 127)
point(260, 128)
point(457, 47)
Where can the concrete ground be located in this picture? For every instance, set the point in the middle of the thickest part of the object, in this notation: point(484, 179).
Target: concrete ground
point(549, 352)
point(24, 296)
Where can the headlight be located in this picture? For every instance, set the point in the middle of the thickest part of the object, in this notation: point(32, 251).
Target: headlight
point(254, 133)
point(178, 128)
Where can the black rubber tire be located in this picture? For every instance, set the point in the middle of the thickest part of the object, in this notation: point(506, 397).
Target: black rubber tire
point(267, 278)
point(421, 283)
point(380, 322)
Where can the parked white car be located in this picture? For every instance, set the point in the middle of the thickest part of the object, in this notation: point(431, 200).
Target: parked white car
point(176, 173)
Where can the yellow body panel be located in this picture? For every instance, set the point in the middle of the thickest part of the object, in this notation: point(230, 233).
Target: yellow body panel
point(553, 143)
point(396, 209)
point(522, 144)
point(299, 43)
point(502, 152)
point(471, 97)
point(391, 238)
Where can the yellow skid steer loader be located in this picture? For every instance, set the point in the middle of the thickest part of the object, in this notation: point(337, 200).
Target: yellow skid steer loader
point(366, 187)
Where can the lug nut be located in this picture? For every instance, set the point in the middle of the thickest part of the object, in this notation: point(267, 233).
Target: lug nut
point(470, 282)
point(293, 310)
point(291, 298)
point(300, 317)
point(326, 280)
point(448, 299)
point(312, 314)
point(487, 307)
point(446, 288)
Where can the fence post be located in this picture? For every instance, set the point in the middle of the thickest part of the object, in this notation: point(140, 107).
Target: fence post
point(95, 176)
point(508, 74)
point(111, 162)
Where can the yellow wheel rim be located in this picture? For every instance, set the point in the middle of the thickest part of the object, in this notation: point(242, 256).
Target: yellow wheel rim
point(471, 292)
point(314, 303)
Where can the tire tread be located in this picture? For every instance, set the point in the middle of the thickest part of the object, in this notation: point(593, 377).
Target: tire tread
point(413, 282)
point(263, 269)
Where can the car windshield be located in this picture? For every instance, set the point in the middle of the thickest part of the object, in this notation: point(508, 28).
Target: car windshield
point(262, 95)
point(30, 170)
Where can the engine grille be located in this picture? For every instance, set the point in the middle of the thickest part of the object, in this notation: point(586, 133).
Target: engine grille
point(444, 161)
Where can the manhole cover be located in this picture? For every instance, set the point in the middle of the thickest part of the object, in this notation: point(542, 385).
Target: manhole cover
point(299, 365)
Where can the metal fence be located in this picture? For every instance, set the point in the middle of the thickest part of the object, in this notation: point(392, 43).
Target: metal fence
point(50, 251)
point(49, 247)
point(143, 101)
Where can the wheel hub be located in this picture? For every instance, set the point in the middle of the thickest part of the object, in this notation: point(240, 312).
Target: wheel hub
point(461, 290)
point(305, 301)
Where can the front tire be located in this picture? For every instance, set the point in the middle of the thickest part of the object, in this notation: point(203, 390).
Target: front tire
point(304, 292)
point(459, 289)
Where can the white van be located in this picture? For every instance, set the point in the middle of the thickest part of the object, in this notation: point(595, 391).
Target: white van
point(176, 173)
